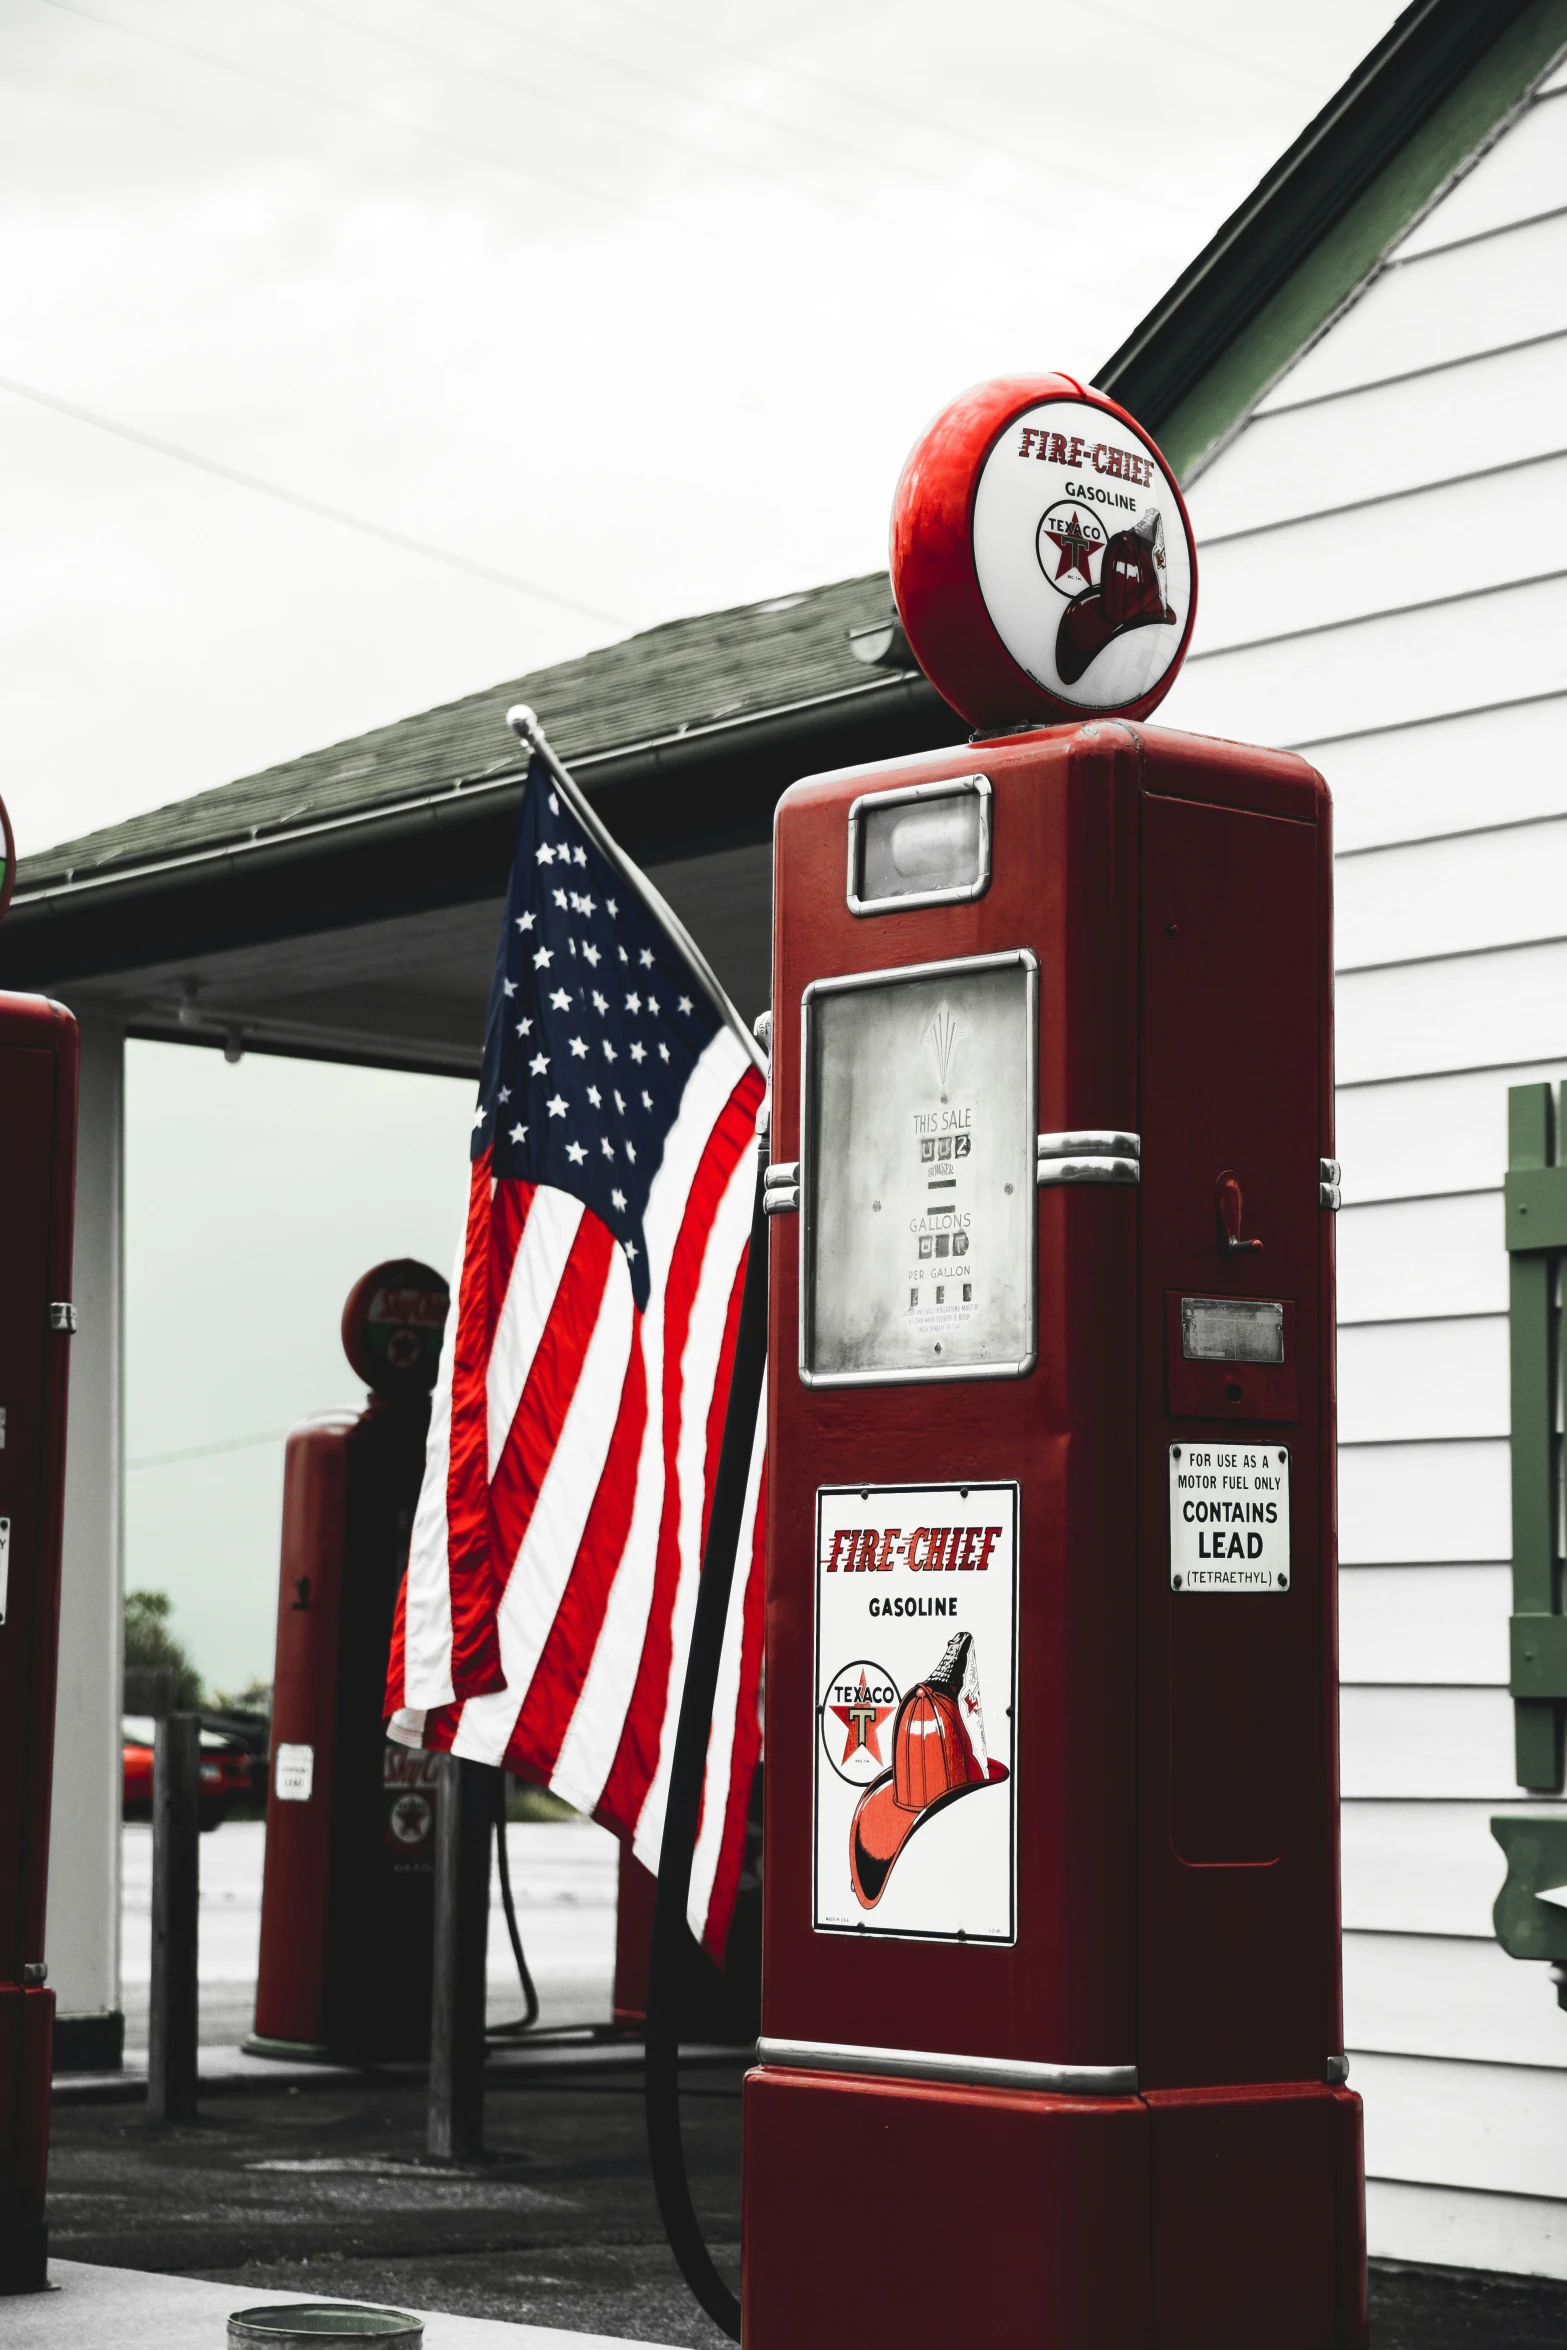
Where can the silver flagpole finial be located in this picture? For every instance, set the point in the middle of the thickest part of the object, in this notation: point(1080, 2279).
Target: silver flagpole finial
point(524, 724)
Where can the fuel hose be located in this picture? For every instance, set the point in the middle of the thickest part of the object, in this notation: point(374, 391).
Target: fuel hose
point(667, 1967)
point(530, 1998)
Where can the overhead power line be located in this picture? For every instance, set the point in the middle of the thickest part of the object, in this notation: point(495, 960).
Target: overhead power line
point(315, 506)
point(202, 1452)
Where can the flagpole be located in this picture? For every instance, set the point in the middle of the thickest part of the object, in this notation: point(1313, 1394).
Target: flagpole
point(526, 725)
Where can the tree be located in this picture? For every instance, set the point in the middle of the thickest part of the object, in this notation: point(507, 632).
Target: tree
point(148, 1641)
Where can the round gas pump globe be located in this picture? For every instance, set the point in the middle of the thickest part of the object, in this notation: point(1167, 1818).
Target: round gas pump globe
point(392, 1325)
point(1042, 559)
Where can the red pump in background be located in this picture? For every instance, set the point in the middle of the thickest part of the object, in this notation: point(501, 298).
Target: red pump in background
point(38, 1066)
point(347, 1903)
point(1051, 1947)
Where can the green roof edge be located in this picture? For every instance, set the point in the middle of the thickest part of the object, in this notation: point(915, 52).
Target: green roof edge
point(1345, 255)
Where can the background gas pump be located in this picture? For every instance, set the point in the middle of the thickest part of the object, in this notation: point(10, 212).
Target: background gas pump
point(1052, 2044)
point(38, 1060)
point(348, 1889)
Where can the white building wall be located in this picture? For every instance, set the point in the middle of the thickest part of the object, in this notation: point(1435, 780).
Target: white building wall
point(1383, 586)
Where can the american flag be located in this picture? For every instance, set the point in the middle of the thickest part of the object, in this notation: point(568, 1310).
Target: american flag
point(577, 1419)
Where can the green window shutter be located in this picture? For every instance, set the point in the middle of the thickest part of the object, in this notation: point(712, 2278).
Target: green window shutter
point(1536, 1233)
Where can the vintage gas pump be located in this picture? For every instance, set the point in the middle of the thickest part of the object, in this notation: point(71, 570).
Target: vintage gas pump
point(38, 1058)
point(348, 1889)
point(1051, 2043)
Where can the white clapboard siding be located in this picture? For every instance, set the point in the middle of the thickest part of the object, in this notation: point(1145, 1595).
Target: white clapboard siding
point(1450, 1743)
point(1439, 1624)
point(1433, 1995)
point(1454, 896)
point(1467, 298)
point(1403, 1381)
point(1464, 1012)
point(1524, 174)
point(1446, 2227)
point(1423, 1504)
point(1498, 2127)
point(1423, 1867)
point(1487, 411)
point(1477, 532)
point(1413, 1257)
point(1465, 653)
point(1422, 1135)
point(1447, 774)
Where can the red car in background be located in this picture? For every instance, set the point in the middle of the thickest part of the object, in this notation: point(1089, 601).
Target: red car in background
point(225, 1771)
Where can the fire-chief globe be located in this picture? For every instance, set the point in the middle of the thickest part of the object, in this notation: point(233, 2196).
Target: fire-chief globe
point(1010, 630)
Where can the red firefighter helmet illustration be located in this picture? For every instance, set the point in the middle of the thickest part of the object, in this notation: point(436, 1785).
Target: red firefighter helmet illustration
point(938, 1754)
point(1130, 594)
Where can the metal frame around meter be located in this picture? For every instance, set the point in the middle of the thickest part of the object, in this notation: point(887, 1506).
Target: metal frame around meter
point(873, 803)
point(1022, 1109)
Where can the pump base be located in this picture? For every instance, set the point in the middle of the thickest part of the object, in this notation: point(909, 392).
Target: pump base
point(1202, 2220)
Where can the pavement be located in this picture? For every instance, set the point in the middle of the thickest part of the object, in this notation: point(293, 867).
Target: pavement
point(93, 2307)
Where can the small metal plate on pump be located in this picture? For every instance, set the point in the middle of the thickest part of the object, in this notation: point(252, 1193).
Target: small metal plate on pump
point(1231, 1330)
point(917, 1222)
point(1229, 1517)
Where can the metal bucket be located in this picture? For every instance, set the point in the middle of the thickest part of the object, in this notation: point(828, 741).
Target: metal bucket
point(313, 2325)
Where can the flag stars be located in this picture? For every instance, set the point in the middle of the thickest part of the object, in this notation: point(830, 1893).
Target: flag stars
point(543, 959)
point(479, 1116)
point(519, 1133)
point(544, 854)
point(554, 805)
point(647, 1101)
point(614, 910)
point(639, 1052)
point(510, 986)
point(618, 1200)
point(633, 1002)
point(579, 1051)
point(646, 958)
point(524, 921)
point(575, 1153)
point(559, 896)
point(590, 954)
point(524, 1027)
point(595, 1097)
point(609, 1050)
point(685, 1003)
point(652, 1003)
point(556, 1105)
point(607, 1147)
point(561, 999)
point(539, 1063)
point(631, 1152)
point(630, 1247)
point(620, 1103)
point(504, 1094)
point(600, 1003)
point(581, 856)
point(663, 1052)
point(621, 952)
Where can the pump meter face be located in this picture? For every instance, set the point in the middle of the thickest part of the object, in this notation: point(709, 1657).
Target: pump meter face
point(917, 1230)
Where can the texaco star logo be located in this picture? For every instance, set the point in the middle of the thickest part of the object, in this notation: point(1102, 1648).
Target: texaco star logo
point(1070, 542)
point(857, 1704)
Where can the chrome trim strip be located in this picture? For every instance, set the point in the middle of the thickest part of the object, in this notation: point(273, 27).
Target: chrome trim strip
point(947, 787)
point(1087, 1171)
point(783, 1201)
point(977, 2072)
point(781, 1174)
point(1110, 1143)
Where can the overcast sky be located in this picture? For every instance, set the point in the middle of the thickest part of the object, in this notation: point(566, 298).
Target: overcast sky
point(620, 311)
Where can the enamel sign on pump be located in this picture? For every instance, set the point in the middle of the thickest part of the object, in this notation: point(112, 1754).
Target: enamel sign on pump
point(1051, 1939)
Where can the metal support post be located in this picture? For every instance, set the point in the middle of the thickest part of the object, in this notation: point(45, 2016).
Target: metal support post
point(465, 1808)
point(176, 1885)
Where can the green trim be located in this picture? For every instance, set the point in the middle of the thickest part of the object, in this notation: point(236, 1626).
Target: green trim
point(1342, 259)
point(1534, 1206)
point(1536, 1849)
point(1539, 1657)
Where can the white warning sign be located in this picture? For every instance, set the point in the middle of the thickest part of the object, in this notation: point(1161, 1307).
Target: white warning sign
point(1229, 1517)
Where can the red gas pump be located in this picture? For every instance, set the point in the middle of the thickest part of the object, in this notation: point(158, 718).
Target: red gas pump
point(1052, 2045)
point(38, 1055)
point(347, 1901)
